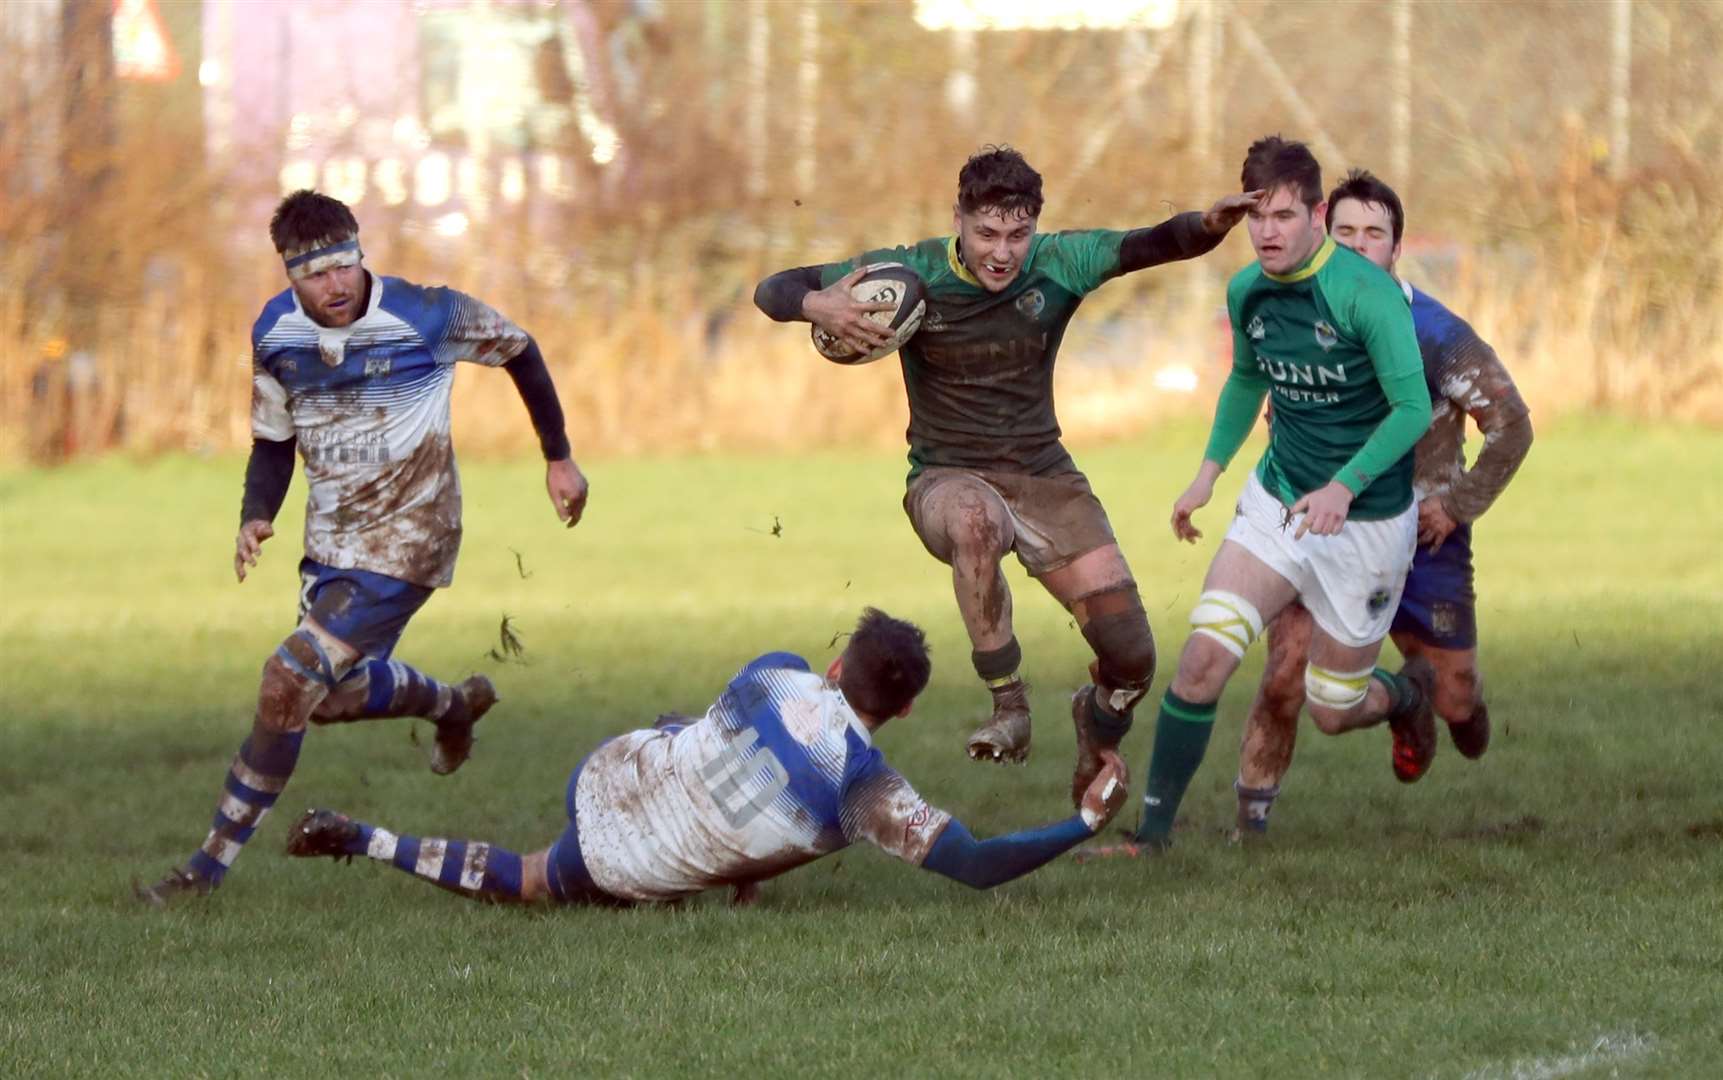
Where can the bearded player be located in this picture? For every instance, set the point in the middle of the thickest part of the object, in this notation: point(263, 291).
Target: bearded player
point(354, 371)
point(988, 473)
point(1436, 626)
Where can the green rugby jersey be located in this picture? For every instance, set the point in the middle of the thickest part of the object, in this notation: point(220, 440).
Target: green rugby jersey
point(1332, 344)
point(979, 373)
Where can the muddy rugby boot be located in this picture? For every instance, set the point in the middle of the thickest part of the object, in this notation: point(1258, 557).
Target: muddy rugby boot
point(1005, 736)
point(1413, 724)
point(1472, 737)
point(322, 832)
point(473, 698)
point(178, 883)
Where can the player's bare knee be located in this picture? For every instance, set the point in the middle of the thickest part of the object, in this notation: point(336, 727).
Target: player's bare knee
point(1204, 667)
point(1456, 694)
point(1337, 698)
point(1329, 720)
point(1223, 624)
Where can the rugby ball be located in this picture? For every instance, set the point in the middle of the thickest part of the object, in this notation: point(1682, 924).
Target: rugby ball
point(881, 283)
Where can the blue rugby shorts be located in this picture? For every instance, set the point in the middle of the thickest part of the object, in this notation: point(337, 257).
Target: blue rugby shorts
point(1439, 605)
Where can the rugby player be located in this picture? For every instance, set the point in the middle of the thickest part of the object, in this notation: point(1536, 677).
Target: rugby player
point(1327, 516)
point(1436, 625)
point(354, 371)
point(780, 771)
point(988, 474)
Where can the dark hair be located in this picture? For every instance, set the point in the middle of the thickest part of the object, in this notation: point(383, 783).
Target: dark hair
point(997, 178)
point(885, 665)
point(1273, 162)
point(307, 216)
point(1362, 185)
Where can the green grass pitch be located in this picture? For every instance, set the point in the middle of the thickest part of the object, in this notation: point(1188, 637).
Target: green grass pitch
point(1553, 910)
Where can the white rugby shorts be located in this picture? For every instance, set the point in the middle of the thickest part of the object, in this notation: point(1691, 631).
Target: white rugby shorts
point(1351, 582)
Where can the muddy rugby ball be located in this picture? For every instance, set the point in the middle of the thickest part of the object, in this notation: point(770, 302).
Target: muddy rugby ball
point(882, 283)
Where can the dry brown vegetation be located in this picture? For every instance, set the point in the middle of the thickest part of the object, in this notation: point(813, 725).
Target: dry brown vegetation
point(131, 267)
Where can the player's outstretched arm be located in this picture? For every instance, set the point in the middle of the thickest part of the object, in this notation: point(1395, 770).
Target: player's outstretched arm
point(982, 864)
point(1184, 236)
point(563, 481)
point(268, 475)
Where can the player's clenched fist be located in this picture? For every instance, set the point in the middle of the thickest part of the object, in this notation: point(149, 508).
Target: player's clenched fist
point(1106, 792)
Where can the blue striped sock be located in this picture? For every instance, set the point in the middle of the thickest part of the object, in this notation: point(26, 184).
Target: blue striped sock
point(254, 781)
point(472, 868)
point(398, 689)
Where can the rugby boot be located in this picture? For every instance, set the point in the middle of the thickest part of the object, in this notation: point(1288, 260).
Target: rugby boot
point(1472, 737)
point(178, 883)
point(1413, 724)
point(1005, 736)
point(1128, 846)
point(472, 699)
point(322, 832)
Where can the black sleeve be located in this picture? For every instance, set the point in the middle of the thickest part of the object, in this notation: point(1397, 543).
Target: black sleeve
point(1181, 236)
point(533, 381)
point(268, 474)
point(780, 296)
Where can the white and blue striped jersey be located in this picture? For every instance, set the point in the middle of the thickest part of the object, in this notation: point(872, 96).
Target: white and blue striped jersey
point(777, 773)
point(369, 404)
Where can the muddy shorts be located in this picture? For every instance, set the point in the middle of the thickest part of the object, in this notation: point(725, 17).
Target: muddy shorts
point(368, 611)
point(1055, 518)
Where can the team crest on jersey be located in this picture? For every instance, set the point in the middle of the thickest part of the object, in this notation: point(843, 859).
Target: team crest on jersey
point(1325, 335)
point(1031, 303)
point(377, 365)
point(935, 322)
point(289, 366)
point(1256, 330)
point(1377, 601)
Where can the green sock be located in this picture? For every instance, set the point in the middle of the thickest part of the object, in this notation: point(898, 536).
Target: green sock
point(1181, 737)
point(1398, 687)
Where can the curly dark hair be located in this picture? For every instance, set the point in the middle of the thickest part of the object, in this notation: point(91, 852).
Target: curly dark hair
point(1362, 184)
point(997, 178)
point(885, 665)
point(1273, 162)
point(307, 216)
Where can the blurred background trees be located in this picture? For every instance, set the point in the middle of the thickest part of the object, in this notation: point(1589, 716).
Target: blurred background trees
point(617, 174)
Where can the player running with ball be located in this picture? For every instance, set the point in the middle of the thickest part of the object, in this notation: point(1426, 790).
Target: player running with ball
point(988, 474)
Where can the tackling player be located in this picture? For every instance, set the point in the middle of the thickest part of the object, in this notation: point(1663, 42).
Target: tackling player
point(1327, 515)
point(1436, 625)
point(354, 370)
point(780, 771)
point(988, 474)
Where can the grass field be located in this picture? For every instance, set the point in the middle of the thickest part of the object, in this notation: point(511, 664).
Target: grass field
point(1555, 909)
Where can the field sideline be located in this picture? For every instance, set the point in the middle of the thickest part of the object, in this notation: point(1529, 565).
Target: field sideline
point(1553, 910)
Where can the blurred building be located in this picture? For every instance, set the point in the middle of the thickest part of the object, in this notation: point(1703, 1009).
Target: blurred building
point(443, 109)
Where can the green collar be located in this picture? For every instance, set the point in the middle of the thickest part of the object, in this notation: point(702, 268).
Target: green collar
point(1323, 254)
